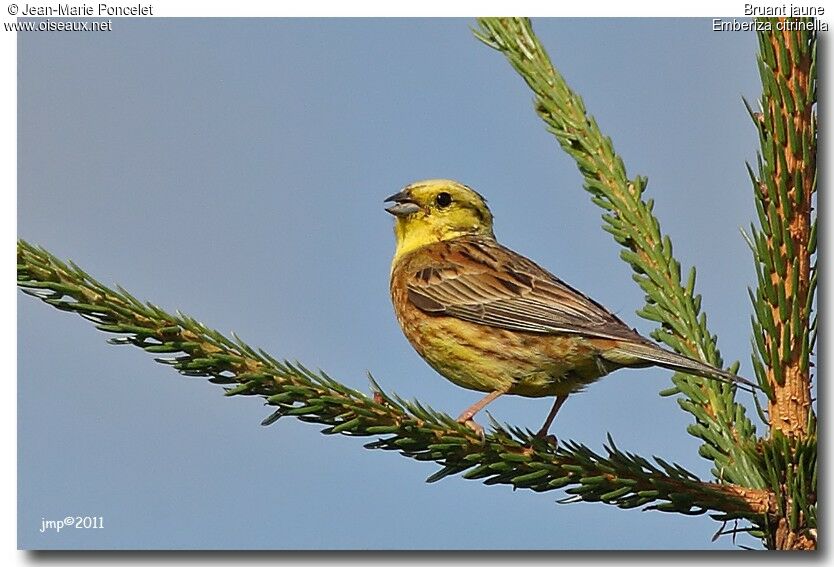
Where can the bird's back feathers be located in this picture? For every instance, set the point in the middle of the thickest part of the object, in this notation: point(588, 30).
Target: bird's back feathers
point(476, 279)
point(481, 281)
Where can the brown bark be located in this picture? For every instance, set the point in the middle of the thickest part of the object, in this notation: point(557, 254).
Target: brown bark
point(790, 406)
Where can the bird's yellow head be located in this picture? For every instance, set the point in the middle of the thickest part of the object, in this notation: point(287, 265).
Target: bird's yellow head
point(434, 210)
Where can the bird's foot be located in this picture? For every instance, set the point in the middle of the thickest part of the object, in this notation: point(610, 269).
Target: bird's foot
point(473, 425)
point(548, 438)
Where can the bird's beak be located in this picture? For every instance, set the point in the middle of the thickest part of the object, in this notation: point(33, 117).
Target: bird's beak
point(402, 205)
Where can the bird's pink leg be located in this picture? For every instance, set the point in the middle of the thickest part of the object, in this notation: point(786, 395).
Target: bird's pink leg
point(469, 413)
point(553, 411)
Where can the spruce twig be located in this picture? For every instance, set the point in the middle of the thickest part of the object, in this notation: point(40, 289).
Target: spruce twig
point(784, 247)
point(784, 252)
point(504, 456)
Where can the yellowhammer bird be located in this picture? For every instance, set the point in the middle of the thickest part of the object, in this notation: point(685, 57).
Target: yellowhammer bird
point(489, 319)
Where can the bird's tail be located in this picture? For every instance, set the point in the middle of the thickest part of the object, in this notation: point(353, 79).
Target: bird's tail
point(651, 354)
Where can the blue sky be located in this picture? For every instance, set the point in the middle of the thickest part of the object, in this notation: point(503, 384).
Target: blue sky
point(235, 170)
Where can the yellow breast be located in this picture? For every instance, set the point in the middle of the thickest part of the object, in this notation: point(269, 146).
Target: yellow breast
point(484, 358)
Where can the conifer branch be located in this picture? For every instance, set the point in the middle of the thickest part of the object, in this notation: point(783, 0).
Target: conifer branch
point(784, 251)
point(784, 248)
point(728, 434)
point(506, 455)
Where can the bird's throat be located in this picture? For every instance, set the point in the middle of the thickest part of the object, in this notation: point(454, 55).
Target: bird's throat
point(411, 235)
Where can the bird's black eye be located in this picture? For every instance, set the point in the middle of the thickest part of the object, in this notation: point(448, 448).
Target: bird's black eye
point(443, 200)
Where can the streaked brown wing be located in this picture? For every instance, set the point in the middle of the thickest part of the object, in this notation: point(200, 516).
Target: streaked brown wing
point(483, 282)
